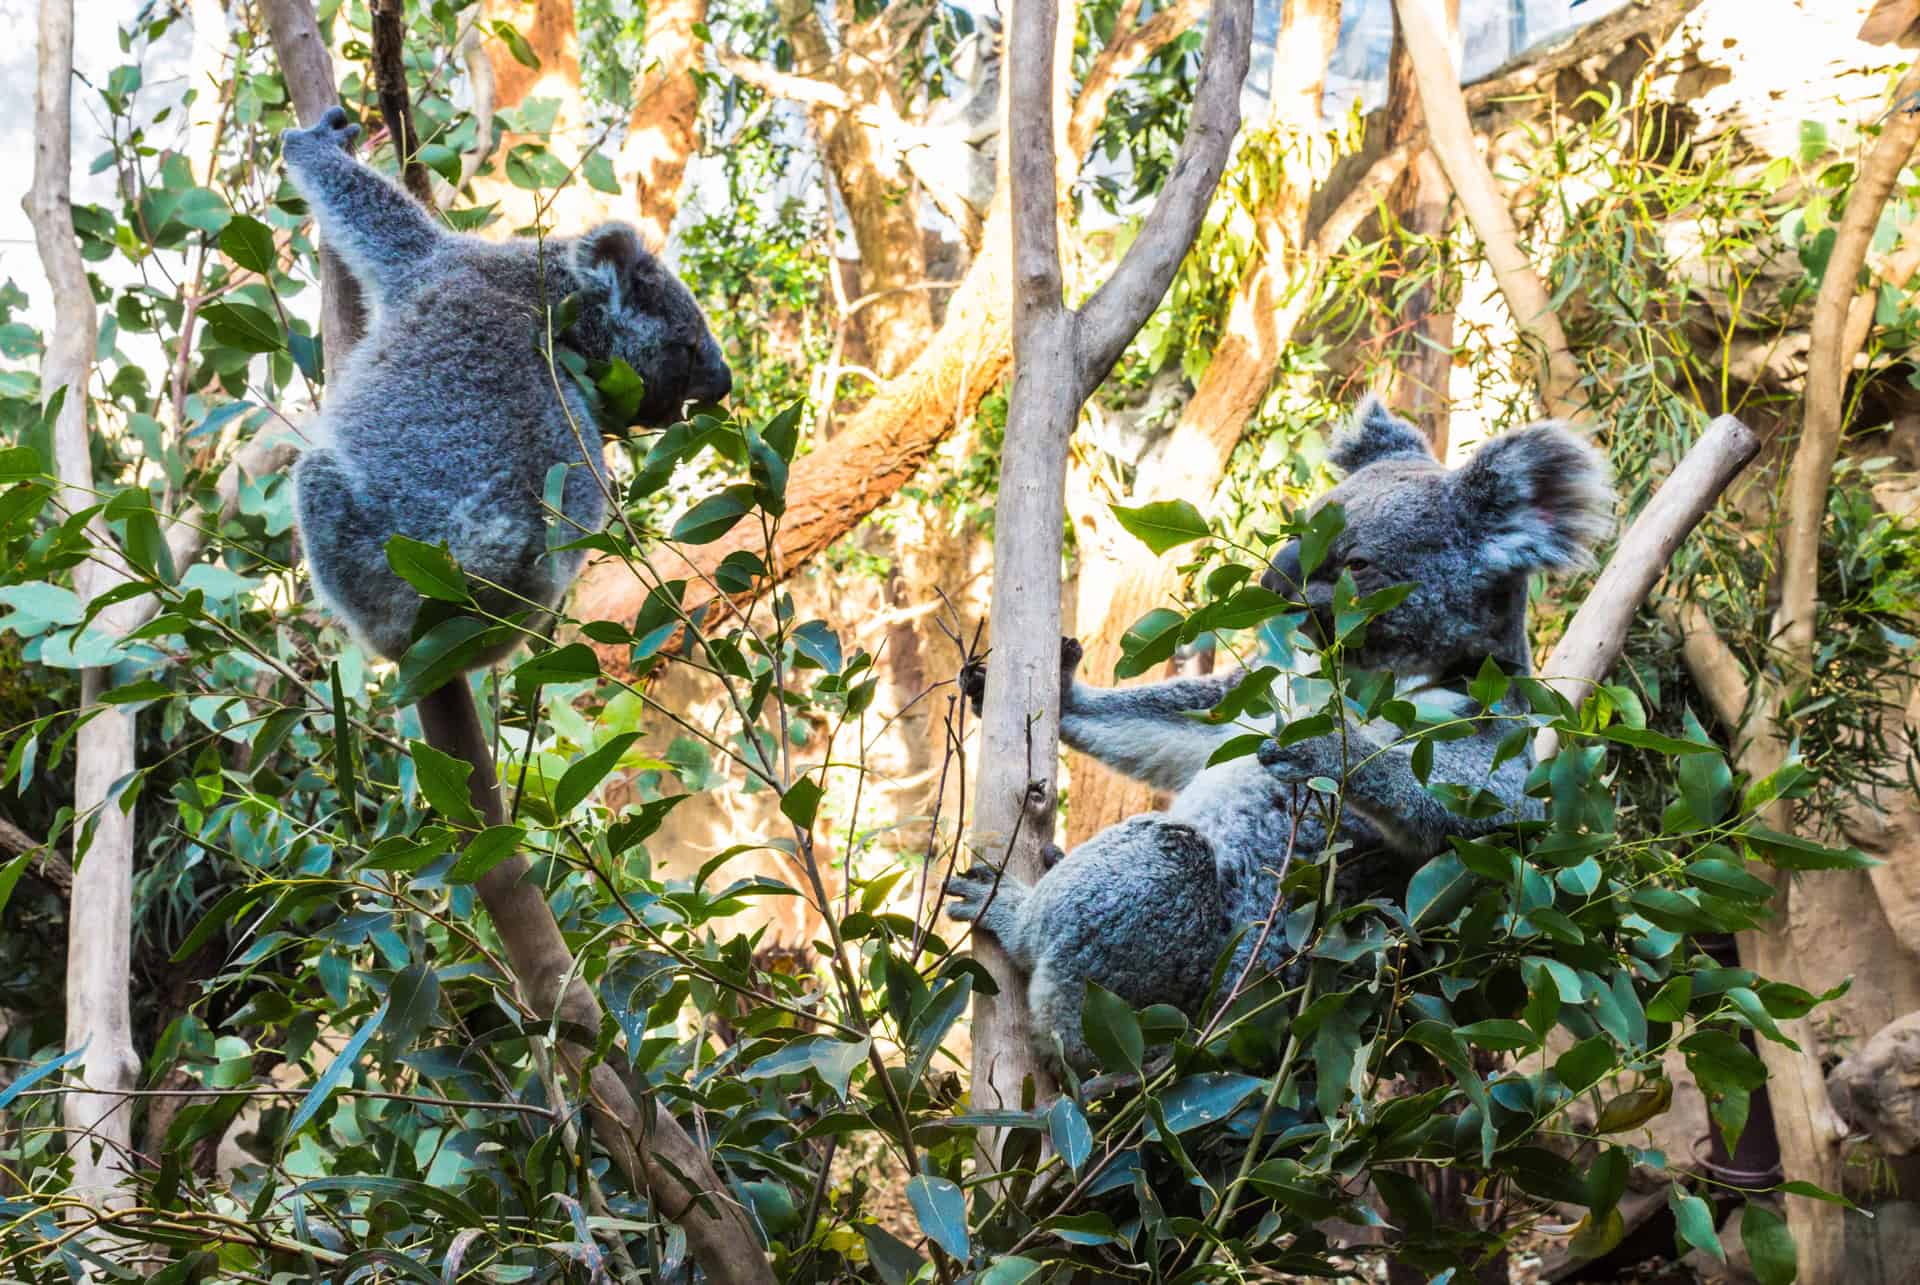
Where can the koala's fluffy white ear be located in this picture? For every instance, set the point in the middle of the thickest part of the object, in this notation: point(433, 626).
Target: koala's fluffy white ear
point(607, 256)
point(1539, 499)
point(1375, 433)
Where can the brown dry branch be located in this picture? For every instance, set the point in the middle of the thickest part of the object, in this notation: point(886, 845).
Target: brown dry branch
point(1059, 355)
point(47, 866)
point(1597, 634)
point(1451, 137)
point(396, 102)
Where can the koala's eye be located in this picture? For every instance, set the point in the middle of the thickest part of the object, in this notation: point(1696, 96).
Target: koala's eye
point(1358, 564)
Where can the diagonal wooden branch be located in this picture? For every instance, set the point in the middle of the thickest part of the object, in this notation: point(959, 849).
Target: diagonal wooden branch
point(1121, 59)
point(1451, 134)
point(1597, 634)
point(646, 1142)
point(1115, 313)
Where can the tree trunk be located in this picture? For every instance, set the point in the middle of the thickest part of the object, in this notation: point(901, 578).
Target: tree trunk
point(1420, 204)
point(663, 131)
point(1060, 356)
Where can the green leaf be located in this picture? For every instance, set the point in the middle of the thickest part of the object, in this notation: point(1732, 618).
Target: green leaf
point(516, 44)
point(583, 776)
point(1498, 1033)
point(598, 171)
point(1635, 1107)
point(1438, 890)
point(801, 803)
point(1756, 1013)
point(941, 1207)
point(1790, 852)
point(249, 243)
point(28, 1078)
point(1584, 1063)
point(1072, 1138)
point(412, 1000)
point(1163, 524)
point(1607, 1180)
point(443, 780)
point(1206, 1098)
point(486, 850)
point(10, 875)
point(428, 568)
point(1150, 641)
point(445, 653)
point(830, 1059)
point(1111, 1030)
point(714, 516)
point(1769, 1245)
point(573, 663)
point(337, 1070)
point(1008, 1271)
point(243, 326)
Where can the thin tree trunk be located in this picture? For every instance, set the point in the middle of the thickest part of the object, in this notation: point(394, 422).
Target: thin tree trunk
point(1060, 355)
point(663, 130)
point(396, 101)
point(1451, 136)
point(647, 1143)
point(100, 912)
point(1420, 203)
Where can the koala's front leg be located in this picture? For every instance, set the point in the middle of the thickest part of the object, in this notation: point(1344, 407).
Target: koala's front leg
point(995, 903)
point(1380, 786)
point(381, 233)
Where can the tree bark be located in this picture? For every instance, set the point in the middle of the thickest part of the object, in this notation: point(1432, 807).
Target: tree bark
point(647, 1143)
point(1597, 634)
point(1420, 205)
point(100, 911)
point(1059, 354)
point(1451, 136)
point(396, 100)
point(663, 130)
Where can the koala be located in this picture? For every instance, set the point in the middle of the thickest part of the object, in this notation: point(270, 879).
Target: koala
point(443, 423)
point(1146, 906)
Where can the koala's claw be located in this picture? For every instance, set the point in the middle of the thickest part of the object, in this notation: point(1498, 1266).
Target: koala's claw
point(332, 127)
point(973, 674)
point(973, 684)
point(967, 894)
point(1289, 764)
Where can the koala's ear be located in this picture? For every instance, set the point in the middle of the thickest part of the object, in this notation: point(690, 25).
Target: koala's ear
point(1375, 433)
point(607, 256)
point(1537, 499)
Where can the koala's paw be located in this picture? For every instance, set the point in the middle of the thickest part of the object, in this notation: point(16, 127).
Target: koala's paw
point(1071, 653)
point(332, 129)
point(968, 893)
point(973, 684)
point(1300, 762)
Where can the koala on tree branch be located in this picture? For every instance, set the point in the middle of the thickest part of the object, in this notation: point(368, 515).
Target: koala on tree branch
point(1145, 907)
point(443, 424)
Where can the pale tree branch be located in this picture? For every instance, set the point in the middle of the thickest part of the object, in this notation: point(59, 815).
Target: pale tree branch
point(1110, 319)
point(1451, 135)
point(808, 91)
point(1597, 634)
point(1829, 363)
point(99, 1119)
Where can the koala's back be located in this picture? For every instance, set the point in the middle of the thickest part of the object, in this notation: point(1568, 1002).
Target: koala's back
point(449, 402)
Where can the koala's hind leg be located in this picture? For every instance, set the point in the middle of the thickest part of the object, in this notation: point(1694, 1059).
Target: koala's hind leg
point(380, 232)
point(345, 541)
point(993, 903)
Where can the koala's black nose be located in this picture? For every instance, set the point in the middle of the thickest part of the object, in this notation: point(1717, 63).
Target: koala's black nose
point(1283, 574)
point(712, 380)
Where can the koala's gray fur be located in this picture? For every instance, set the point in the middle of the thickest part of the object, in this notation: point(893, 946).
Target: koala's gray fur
point(444, 421)
point(1145, 907)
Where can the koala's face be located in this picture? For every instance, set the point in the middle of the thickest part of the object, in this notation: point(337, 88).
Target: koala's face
point(1466, 539)
point(634, 308)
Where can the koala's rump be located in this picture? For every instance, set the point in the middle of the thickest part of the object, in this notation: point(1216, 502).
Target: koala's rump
point(1135, 909)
